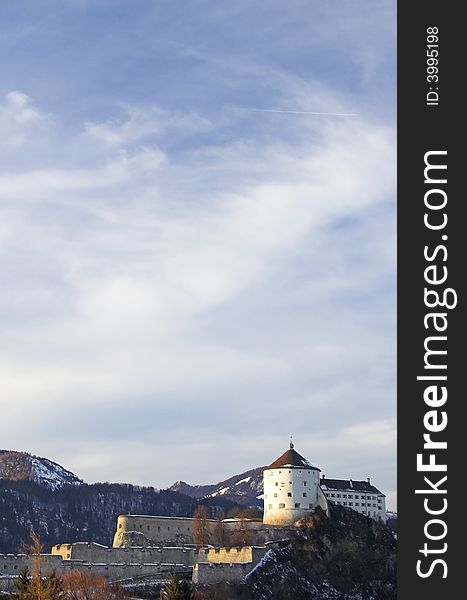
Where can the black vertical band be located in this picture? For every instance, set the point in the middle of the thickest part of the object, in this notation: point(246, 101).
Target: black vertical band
point(431, 231)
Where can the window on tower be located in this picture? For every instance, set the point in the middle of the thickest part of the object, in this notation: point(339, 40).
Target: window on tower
point(297, 504)
point(281, 505)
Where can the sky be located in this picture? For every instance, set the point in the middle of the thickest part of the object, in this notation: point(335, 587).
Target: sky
point(197, 236)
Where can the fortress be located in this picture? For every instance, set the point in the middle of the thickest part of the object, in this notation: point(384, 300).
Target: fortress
point(150, 548)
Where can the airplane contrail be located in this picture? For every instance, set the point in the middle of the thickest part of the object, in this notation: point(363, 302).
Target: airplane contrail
point(303, 112)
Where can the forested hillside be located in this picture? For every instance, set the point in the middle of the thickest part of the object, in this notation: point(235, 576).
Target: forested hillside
point(82, 512)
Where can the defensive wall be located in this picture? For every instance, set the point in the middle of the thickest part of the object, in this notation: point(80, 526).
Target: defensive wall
point(245, 554)
point(244, 545)
point(117, 564)
point(146, 531)
point(11, 566)
point(216, 565)
point(7, 583)
point(96, 553)
point(207, 573)
point(157, 530)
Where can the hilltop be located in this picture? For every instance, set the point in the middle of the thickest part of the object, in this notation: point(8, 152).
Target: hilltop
point(22, 466)
point(245, 489)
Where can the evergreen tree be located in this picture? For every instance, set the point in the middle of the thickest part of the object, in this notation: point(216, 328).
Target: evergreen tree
point(22, 585)
point(30, 587)
point(53, 587)
point(186, 590)
point(177, 590)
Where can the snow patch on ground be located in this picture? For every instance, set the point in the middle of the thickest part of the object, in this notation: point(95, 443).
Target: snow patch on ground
point(220, 492)
point(50, 474)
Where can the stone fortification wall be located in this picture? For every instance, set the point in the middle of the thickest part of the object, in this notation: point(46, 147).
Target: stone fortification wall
point(7, 583)
point(207, 573)
point(146, 531)
point(246, 532)
point(157, 530)
point(11, 565)
point(323, 501)
point(245, 554)
point(96, 553)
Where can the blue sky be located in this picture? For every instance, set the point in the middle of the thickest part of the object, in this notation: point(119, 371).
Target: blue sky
point(191, 265)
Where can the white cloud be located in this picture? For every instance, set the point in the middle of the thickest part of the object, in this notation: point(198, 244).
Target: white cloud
point(144, 278)
point(48, 185)
point(18, 116)
point(144, 122)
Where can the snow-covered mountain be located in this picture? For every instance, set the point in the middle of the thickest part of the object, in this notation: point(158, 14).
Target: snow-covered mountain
point(245, 489)
point(22, 466)
point(33, 495)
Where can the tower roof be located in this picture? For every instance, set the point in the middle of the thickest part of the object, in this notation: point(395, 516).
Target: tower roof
point(291, 458)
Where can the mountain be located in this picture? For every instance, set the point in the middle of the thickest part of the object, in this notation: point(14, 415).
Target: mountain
point(37, 493)
point(22, 466)
point(245, 489)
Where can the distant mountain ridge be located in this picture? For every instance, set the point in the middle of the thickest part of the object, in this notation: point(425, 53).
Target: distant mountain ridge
point(245, 489)
point(38, 493)
point(22, 466)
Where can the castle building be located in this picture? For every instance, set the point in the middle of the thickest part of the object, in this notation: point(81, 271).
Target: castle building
point(291, 489)
point(360, 496)
point(148, 548)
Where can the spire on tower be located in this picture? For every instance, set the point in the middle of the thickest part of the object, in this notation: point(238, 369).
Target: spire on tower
point(291, 446)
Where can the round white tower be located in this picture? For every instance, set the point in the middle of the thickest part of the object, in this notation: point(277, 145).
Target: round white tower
point(291, 489)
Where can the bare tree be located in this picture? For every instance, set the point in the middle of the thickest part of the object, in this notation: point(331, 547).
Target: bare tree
point(34, 549)
point(243, 533)
point(33, 585)
point(201, 532)
point(220, 532)
point(82, 585)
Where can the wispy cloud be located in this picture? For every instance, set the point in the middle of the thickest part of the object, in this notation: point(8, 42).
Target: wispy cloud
point(18, 116)
point(136, 277)
point(303, 112)
point(184, 273)
point(140, 123)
